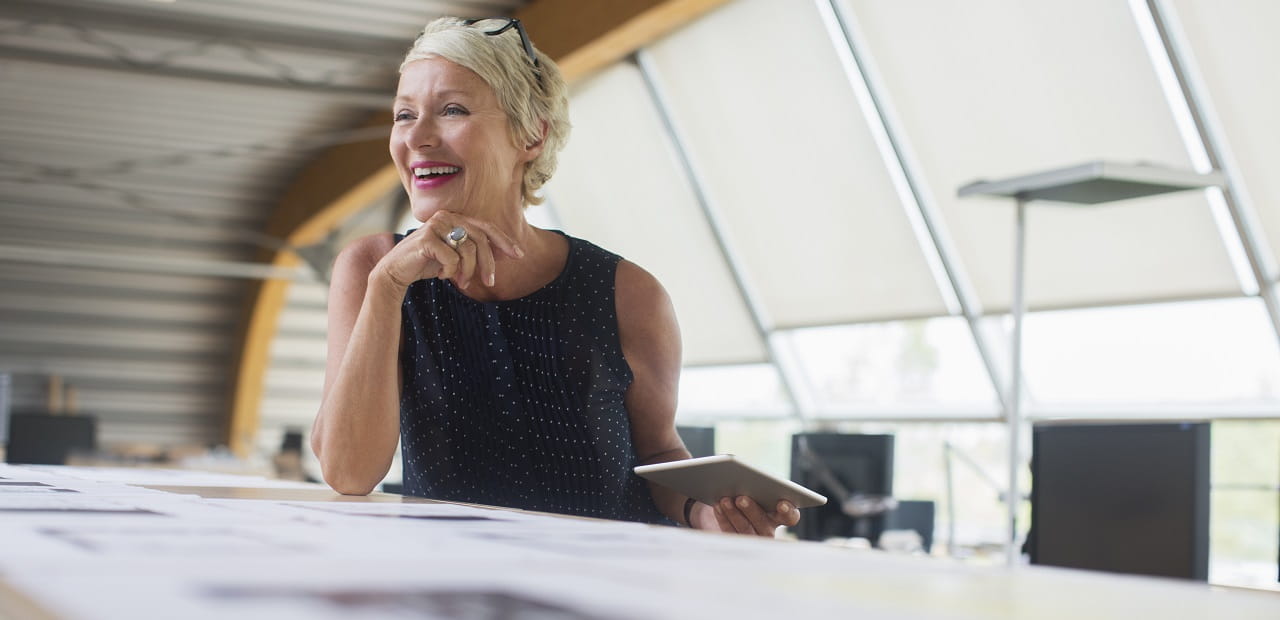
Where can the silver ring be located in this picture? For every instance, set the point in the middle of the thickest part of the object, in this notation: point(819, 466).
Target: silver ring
point(456, 236)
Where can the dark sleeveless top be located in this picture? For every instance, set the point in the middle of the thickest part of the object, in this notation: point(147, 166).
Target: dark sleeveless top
point(520, 403)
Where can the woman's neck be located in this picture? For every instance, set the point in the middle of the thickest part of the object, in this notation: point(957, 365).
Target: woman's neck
point(544, 258)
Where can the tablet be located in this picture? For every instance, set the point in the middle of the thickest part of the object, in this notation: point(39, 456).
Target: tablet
point(709, 478)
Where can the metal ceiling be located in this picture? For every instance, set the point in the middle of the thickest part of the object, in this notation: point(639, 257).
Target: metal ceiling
point(143, 144)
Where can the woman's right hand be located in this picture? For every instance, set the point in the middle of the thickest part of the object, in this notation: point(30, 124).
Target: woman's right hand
point(743, 515)
point(426, 254)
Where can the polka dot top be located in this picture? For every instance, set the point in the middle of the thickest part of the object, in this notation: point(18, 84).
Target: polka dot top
point(520, 403)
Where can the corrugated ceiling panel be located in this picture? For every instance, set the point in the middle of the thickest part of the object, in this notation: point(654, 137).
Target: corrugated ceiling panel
point(382, 18)
point(184, 161)
point(300, 346)
point(158, 248)
point(295, 377)
point(122, 285)
point(100, 202)
point(295, 317)
point(220, 55)
point(89, 306)
point(36, 221)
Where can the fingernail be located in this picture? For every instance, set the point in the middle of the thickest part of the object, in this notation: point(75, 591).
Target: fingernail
point(727, 503)
point(743, 502)
point(519, 252)
point(492, 278)
point(785, 508)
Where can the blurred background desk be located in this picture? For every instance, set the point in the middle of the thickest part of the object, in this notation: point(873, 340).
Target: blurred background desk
point(113, 543)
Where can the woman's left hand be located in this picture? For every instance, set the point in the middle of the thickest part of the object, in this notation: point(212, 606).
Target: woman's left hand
point(743, 515)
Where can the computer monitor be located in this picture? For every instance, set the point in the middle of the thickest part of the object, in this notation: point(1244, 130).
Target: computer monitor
point(699, 440)
point(861, 464)
point(1126, 498)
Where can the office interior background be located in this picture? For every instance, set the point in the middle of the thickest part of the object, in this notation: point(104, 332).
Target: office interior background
point(176, 177)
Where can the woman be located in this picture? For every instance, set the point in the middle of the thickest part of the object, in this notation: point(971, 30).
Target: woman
point(518, 366)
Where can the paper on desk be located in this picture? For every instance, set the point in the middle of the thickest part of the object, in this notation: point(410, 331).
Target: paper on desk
point(419, 587)
point(178, 539)
point(14, 487)
point(25, 472)
point(88, 506)
point(14, 506)
point(42, 481)
point(351, 559)
point(414, 510)
point(168, 477)
point(109, 542)
point(494, 534)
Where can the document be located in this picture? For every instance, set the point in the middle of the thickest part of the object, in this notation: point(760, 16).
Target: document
point(106, 549)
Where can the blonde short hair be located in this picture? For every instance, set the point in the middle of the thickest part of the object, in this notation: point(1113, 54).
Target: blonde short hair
point(528, 100)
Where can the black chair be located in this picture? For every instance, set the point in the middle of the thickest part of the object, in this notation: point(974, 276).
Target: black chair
point(915, 515)
point(43, 439)
point(6, 397)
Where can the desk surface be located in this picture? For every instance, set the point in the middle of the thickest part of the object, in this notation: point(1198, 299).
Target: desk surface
point(102, 543)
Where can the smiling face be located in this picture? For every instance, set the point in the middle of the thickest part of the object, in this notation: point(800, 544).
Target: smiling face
point(452, 144)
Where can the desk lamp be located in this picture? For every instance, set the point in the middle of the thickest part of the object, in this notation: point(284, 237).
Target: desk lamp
point(1090, 183)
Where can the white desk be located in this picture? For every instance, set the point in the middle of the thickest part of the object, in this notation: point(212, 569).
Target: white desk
point(179, 547)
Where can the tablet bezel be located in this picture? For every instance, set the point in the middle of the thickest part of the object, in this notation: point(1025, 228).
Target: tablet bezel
point(710, 478)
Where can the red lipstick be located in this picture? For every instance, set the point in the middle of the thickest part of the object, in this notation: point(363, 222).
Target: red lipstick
point(432, 174)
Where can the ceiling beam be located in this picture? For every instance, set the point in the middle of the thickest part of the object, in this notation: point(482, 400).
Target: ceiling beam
point(582, 37)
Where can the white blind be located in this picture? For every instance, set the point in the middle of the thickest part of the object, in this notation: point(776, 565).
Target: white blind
point(994, 88)
point(775, 129)
point(1236, 49)
point(619, 185)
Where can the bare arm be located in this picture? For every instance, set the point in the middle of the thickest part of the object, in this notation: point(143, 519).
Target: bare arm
point(651, 343)
point(358, 424)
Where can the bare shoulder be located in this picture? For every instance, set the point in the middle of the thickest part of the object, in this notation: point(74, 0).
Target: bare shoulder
point(363, 253)
point(352, 267)
point(639, 294)
point(647, 324)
